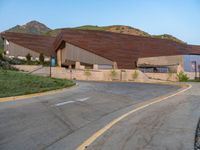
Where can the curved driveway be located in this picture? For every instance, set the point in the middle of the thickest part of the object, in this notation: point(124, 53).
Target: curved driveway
point(64, 120)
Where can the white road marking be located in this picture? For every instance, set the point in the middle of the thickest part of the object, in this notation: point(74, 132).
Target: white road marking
point(63, 103)
point(83, 99)
point(68, 102)
point(97, 134)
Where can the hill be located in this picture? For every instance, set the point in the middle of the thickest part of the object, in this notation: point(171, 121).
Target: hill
point(32, 27)
point(114, 28)
point(169, 37)
point(35, 27)
point(119, 29)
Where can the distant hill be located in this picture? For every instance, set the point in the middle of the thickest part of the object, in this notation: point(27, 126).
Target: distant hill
point(119, 29)
point(169, 37)
point(114, 28)
point(35, 27)
point(32, 27)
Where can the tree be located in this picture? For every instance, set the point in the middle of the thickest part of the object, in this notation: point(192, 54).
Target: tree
point(28, 57)
point(41, 58)
point(1, 54)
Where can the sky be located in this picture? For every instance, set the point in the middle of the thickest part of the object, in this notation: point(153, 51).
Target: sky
point(180, 18)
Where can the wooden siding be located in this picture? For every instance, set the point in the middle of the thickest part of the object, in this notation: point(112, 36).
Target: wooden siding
point(74, 53)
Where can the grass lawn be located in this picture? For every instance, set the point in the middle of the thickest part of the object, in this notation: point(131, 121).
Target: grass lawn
point(13, 83)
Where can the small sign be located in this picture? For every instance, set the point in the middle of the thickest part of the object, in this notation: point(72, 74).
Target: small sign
point(53, 61)
point(193, 65)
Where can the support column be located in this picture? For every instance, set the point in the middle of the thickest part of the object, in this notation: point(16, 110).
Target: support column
point(180, 68)
point(77, 65)
point(59, 58)
point(95, 66)
point(114, 65)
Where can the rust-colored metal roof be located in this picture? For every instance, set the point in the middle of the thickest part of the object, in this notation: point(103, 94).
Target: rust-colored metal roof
point(121, 48)
point(193, 49)
point(38, 43)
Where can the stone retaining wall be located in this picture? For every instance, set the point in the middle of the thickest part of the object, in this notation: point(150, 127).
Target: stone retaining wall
point(162, 76)
point(80, 74)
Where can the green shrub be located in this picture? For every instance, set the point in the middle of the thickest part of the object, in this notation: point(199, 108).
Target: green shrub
point(41, 58)
point(1, 56)
point(135, 75)
point(182, 77)
point(4, 65)
point(87, 73)
point(28, 57)
point(113, 74)
point(14, 61)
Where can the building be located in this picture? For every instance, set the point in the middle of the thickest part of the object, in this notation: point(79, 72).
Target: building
point(97, 49)
point(82, 49)
point(18, 45)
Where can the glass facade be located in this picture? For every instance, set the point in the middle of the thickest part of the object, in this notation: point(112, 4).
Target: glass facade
point(191, 63)
point(155, 69)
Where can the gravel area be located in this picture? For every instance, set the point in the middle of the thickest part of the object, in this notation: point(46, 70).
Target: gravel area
point(197, 137)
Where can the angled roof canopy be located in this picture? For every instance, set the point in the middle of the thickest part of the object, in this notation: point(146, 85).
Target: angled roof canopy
point(38, 43)
point(121, 48)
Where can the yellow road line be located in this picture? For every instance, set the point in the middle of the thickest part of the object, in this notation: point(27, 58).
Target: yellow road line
point(91, 139)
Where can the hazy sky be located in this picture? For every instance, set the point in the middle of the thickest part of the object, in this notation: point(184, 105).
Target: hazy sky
point(180, 18)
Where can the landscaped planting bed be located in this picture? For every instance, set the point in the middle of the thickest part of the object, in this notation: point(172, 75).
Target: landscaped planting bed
point(14, 83)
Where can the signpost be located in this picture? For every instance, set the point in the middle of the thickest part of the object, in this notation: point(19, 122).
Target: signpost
point(52, 63)
point(194, 68)
point(199, 71)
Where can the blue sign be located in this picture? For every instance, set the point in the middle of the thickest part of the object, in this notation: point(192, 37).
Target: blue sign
point(53, 61)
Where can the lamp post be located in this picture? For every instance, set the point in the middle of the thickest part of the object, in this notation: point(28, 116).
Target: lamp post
point(50, 67)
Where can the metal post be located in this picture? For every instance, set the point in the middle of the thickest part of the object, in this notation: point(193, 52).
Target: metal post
point(199, 71)
point(71, 73)
point(195, 70)
point(50, 66)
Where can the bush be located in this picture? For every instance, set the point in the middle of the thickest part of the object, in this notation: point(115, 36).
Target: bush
point(6, 66)
point(182, 77)
point(113, 74)
point(28, 57)
point(41, 58)
point(1, 56)
point(15, 61)
point(135, 75)
point(87, 73)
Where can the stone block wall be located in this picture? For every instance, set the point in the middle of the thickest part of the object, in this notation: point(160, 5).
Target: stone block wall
point(89, 74)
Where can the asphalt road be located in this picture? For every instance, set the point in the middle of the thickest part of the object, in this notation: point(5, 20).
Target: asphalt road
point(64, 120)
